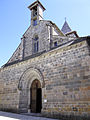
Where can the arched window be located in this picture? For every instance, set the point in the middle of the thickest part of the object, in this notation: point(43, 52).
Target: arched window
point(35, 11)
point(35, 44)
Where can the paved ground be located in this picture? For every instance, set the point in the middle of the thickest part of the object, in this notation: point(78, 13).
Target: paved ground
point(11, 116)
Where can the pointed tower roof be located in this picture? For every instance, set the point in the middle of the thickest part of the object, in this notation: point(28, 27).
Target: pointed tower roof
point(65, 29)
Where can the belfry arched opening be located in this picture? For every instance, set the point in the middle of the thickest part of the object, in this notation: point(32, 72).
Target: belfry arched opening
point(36, 97)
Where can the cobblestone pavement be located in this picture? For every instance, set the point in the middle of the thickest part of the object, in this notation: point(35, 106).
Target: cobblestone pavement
point(12, 116)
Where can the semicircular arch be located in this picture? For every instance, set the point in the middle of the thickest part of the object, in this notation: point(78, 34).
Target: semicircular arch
point(29, 76)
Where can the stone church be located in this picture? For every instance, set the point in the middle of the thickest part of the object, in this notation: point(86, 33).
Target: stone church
point(49, 73)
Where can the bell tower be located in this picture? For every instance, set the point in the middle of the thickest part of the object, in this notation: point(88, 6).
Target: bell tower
point(37, 10)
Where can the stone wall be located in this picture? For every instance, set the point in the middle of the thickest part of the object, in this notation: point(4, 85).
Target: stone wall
point(45, 34)
point(17, 55)
point(61, 40)
point(65, 77)
point(26, 46)
point(68, 88)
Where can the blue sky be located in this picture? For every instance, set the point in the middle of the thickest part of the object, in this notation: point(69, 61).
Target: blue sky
point(15, 19)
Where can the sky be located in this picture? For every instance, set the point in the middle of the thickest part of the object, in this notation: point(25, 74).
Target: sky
point(15, 19)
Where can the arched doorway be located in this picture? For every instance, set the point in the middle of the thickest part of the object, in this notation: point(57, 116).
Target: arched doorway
point(35, 97)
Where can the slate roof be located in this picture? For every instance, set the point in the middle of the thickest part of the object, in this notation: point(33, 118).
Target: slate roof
point(66, 29)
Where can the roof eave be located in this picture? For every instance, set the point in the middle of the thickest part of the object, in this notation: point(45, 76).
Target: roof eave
point(36, 3)
point(71, 33)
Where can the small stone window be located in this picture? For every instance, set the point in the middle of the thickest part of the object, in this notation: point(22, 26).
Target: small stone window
point(55, 44)
point(35, 22)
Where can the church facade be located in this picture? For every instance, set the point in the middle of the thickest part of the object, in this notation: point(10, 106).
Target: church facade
point(49, 73)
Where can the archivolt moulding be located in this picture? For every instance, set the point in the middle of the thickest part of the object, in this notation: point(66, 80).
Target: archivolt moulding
point(29, 76)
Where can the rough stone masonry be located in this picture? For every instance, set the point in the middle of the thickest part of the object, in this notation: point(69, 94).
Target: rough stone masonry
point(49, 73)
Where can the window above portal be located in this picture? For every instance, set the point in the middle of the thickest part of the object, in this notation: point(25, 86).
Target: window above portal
point(35, 44)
